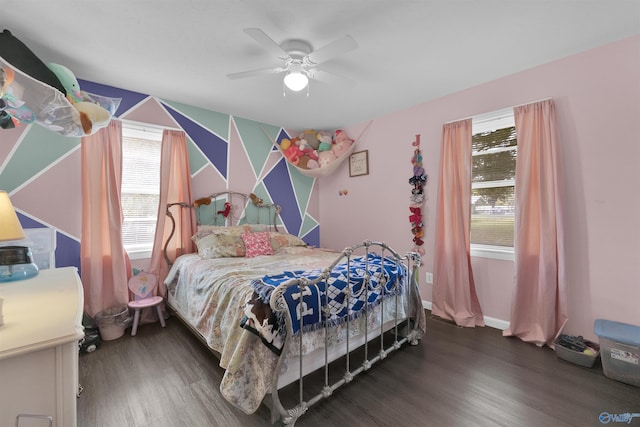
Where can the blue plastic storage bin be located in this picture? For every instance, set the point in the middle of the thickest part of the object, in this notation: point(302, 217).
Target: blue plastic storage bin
point(619, 350)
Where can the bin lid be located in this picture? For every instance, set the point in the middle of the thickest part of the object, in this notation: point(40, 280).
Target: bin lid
point(617, 331)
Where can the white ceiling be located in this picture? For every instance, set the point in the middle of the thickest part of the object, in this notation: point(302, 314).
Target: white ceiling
point(409, 51)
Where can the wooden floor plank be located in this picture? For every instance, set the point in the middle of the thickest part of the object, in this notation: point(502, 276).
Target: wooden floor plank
point(454, 377)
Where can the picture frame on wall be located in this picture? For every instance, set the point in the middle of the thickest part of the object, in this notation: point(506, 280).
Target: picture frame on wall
point(359, 163)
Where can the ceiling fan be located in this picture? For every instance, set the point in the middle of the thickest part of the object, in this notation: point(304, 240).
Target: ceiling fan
point(300, 61)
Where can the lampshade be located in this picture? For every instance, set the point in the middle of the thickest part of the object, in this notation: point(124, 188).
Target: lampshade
point(10, 228)
point(296, 81)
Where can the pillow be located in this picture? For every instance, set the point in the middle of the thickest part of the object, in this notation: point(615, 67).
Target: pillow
point(283, 240)
point(257, 244)
point(220, 246)
point(235, 230)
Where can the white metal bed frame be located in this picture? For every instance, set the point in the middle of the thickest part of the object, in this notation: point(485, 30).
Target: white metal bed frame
point(403, 330)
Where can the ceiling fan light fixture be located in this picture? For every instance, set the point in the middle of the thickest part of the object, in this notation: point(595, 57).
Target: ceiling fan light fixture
point(296, 81)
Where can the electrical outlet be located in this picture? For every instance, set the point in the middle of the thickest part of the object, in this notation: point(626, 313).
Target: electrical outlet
point(429, 278)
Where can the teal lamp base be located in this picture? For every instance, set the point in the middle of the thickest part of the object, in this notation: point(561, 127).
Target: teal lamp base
point(16, 263)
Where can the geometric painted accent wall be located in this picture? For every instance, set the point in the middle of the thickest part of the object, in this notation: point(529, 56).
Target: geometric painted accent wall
point(41, 170)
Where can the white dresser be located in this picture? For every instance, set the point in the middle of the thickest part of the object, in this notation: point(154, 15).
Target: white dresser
point(39, 348)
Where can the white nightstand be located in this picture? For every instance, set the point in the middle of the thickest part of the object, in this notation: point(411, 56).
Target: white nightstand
point(39, 347)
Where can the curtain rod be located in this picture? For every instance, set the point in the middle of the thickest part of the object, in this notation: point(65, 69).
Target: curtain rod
point(512, 107)
point(147, 125)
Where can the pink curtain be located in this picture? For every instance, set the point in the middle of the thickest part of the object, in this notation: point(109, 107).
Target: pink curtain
point(539, 302)
point(104, 263)
point(175, 186)
point(454, 291)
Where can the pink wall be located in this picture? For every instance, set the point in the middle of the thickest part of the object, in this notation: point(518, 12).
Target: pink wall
point(597, 96)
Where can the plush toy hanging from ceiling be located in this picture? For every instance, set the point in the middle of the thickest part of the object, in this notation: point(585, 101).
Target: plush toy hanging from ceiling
point(12, 110)
point(61, 108)
point(417, 181)
point(92, 115)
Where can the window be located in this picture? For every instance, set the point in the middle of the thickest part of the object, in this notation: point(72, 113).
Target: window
point(141, 148)
point(495, 148)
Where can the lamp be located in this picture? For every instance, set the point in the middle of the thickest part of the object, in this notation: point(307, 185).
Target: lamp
point(296, 81)
point(16, 262)
point(11, 229)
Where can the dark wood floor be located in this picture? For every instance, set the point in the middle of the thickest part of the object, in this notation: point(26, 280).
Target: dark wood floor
point(455, 377)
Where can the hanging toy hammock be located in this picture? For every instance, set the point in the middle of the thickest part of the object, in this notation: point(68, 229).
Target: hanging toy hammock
point(46, 94)
point(324, 169)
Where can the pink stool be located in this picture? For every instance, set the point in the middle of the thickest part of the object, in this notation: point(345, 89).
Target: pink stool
point(142, 286)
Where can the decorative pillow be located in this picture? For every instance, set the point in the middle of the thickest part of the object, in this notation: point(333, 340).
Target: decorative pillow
point(283, 240)
point(220, 246)
point(257, 244)
point(235, 230)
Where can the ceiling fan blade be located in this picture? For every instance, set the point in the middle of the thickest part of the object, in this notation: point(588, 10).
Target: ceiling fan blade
point(256, 73)
point(333, 49)
point(330, 78)
point(266, 42)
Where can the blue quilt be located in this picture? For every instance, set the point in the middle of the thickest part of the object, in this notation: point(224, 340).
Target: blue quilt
point(310, 303)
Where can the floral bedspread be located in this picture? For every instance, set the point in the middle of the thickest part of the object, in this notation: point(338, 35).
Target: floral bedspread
point(197, 287)
point(211, 295)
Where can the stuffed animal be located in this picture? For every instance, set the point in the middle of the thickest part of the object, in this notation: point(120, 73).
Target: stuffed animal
point(326, 157)
point(6, 77)
point(92, 116)
point(285, 143)
point(311, 136)
point(12, 110)
point(256, 200)
point(202, 201)
point(293, 154)
point(226, 210)
point(308, 151)
point(341, 143)
point(306, 162)
point(308, 156)
point(303, 144)
point(326, 141)
point(68, 80)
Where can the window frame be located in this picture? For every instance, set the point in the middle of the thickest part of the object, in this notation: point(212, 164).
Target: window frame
point(498, 119)
point(152, 133)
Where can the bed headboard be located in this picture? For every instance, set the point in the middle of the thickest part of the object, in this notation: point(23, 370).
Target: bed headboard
point(232, 208)
point(227, 208)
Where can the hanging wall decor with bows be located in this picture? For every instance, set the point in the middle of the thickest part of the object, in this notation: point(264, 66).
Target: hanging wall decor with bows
point(417, 181)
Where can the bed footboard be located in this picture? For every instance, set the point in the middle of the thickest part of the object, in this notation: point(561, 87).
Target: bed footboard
point(404, 323)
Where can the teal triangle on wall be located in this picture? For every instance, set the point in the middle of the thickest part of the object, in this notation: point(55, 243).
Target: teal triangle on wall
point(302, 186)
point(256, 143)
point(39, 149)
point(197, 160)
point(308, 224)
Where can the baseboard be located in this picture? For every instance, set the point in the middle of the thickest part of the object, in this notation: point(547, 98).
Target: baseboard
point(488, 321)
point(496, 323)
